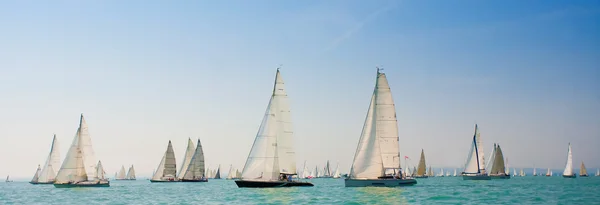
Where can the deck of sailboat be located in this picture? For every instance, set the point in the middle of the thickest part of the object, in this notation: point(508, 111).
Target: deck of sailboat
point(379, 182)
point(476, 177)
point(36, 183)
point(500, 176)
point(83, 184)
point(570, 176)
point(269, 184)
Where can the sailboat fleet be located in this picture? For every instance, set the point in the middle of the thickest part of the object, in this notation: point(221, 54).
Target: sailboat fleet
point(272, 163)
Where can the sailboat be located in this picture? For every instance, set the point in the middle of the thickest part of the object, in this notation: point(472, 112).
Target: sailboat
point(272, 159)
point(189, 153)
point(422, 168)
point(305, 172)
point(474, 168)
point(454, 173)
point(195, 169)
point(130, 174)
point(522, 173)
point(583, 171)
point(336, 174)
point(167, 169)
point(497, 170)
point(514, 172)
point(534, 172)
point(327, 171)
point(79, 169)
point(230, 173)
point(122, 174)
point(377, 158)
point(568, 173)
point(490, 162)
point(441, 174)
point(238, 174)
point(597, 172)
point(51, 166)
point(507, 169)
point(548, 174)
point(430, 172)
point(100, 173)
point(36, 176)
point(218, 173)
point(8, 179)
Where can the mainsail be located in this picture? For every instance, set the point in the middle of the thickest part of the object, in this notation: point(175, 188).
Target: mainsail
point(422, 167)
point(52, 164)
point(122, 175)
point(490, 163)
point(569, 166)
point(305, 173)
point(195, 170)
point(582, 170)
point(131, 173)
point(218, 173)
point(36, 176)
point(327, 170)
point(272, 152)
point(189, 153)
point(378, 148)
point(475, 160)
point(167, 167)
point(100, 173)
point(336, 174)
point(80, 161)
point(498, 160)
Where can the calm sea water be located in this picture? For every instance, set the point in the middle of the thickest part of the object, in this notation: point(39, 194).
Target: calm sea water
point(439, 190)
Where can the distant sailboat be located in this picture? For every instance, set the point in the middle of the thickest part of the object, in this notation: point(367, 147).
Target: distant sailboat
point(167, 169)
point(36, 176)
point(583, 171)
point(514, 172)
point(272, 159)
point(8, 179)
point(230, 173)
point(218, 173)
point(548, 174)
point(497, 170)
point(507, 171)
point(534, 172)
point(79, 169)
point(305, 173)
point(597, 172)
point(100, 173)
point(51, 166)
point(568, 173)
point(195, 169)
point(377, 157)
point(130, 173)
point(441, 174)
point(522, 173)
point(122, 174)
point(454, 173)
point(327, 171)
point(336, 174)
point(422, 167)
point(430, 172)
point(474, 168)
point(189, 153)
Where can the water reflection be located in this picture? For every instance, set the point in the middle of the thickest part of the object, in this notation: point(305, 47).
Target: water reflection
point(381, 195)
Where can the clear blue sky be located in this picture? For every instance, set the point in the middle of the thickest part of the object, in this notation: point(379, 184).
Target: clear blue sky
point(145, 72)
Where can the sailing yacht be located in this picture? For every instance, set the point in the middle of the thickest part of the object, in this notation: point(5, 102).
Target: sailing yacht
point(377, 158)
point(430, 172)
point(548, 174)
point(597, 172)
point(130, 174)
point(474, 168)
point(497, 169)
point(272, 159)
point(79, 169)
point(441, 174)
point(568, 173)
point(326, 171)
point(122, 175)
point(217, 174)
point(189, 152)
point(194, 171)
point(422, 167)
point(534, 172)
point(583, 171)
point(167, 169)
point(454, 173)
point(51, 166)
point(522, 173)
point(336, 174)
point(8, 179)
point(514, 172)
point(36, 176)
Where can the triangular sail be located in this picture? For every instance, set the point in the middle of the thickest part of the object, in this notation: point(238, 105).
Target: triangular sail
point(327, 169)
point(100, 173)
point(52, 164)
point(36, 176)
point(195, 170)
point(569, 166)
point(337, 171)
point(80, 161)
point(189, 153)
point(582, 170)
point(122, 174)
point(498, 166)
point(218, 172)
point(475, 161)
point(490, 163)
point(230, 173)
point(548, 172)
point(422, 167)
point(167, 166)
point(131, 173)
point(305, 172)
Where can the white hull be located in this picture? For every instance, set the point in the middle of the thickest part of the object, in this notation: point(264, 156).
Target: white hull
point(379, 182)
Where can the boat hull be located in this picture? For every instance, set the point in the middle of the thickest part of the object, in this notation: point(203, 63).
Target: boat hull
point(379, 182)
point(161, 181)
point(36, 183)
point(500, 176)
point(583, 175)
point(421, 176)
point(194, 180)
point(269, 184)
point(85, 184)
point(570, 176)
point(476, 177)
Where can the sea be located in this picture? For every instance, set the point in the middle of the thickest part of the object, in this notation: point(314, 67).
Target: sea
point(437, 190)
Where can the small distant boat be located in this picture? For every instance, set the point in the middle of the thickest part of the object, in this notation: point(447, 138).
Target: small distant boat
point(430, 172)
point(514, 172)
point(80, 168)
point(305, 173)
point(548, 173)
point(51, 166)
point(441, 174)
point(497, 169)
point(597, 172)
point(326, 171)
point(122, 174)
point(534, 172)
point(583, 171)
point(454, 173)
point(8, 179)
point(336, 174)
point(167, 169)
point(36, 176)
point(130, 174)
point(195, 170)
point(272, 159)
point(568, 173)
point(377, 158)
point(475, 166)
point(422, 167)
point(522, 173)
point(218, 173)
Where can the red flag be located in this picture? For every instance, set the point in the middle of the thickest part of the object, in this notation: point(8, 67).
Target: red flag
point(405, 157)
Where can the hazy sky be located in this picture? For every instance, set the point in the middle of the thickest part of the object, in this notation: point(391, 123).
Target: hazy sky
point(145, 72)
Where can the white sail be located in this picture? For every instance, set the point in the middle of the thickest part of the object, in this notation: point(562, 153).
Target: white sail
point(195, 170)
point(534, 172)
point(217, 174)
point(131, 173)
point(490, 163)
point(454, 173)
point(507, 171)
point(167, 167)
point(78, 164)
point(230, 173)
point(514, 172)
point(52, 164)
point(475, 160)
point(597, 172)
point(100, 173)
point(36, 176)
point(189, 153)
point(122, 174)
point(548, 172)
point(569, 166)
point(305, 172)
point(336, 174)
point(285, 145)
point(327, 170)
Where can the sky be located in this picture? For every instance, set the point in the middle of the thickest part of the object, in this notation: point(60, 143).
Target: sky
point(146, 72)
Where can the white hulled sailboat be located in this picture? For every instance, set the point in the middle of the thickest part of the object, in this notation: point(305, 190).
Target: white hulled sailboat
point(195, 169)
point(51, 166)
point(79, 169)
point(568, 173)
point(377, 157)
point(272, 159)
point(167, 169)
point(130, 173)
point(189, 153)
point(122, 175)
point(474, 168)
point(583, 171)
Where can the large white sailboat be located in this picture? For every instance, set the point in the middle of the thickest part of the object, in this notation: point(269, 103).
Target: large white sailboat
point(80, 169)
point(474, 168)
point(130, 173)
point(326, 171)
point(377, 157)
point(272, 159)
point(51, 166)
point(195, 169)
point(568, 173)
point(189, 153)
point(167, 169)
